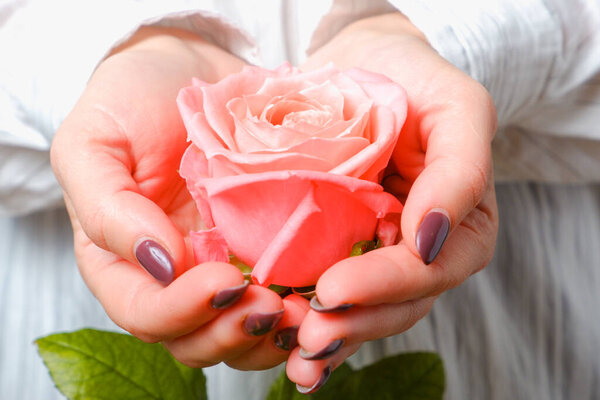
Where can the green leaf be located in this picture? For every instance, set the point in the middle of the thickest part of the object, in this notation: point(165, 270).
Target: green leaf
point(97, 365)
point(411, 376)
point(284, 389)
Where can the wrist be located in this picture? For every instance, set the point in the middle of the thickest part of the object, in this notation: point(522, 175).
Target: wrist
point(211, 62)
point(394, 24)
point(366, 44)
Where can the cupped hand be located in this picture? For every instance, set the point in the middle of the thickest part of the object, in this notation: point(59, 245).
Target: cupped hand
point(441, 169)
point(117, 156)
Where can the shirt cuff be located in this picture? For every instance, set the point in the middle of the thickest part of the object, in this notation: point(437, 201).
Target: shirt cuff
point(49, 51)
point(508, 46)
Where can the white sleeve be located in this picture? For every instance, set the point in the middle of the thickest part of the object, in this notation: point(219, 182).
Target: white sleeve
point(48, 50)
point(521, 51)
point(540, 61)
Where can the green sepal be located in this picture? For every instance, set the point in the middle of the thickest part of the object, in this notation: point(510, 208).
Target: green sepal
point(308, 292)
point(245, 268)
point(278, 289)
point(364, 246)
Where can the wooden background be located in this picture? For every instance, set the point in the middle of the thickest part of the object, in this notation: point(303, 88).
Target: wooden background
point(527, 327)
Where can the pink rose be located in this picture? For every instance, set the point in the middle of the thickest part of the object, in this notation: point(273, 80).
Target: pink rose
point(285, 167)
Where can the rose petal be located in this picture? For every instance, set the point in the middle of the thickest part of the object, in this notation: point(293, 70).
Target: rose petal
point(201, 134)
point(266, 201)
point(209, 245)
point(328, 95)
point(199, 82)
point(391, 96)
point(285, 69)
point(363, 75)
point(276, 112)
point(320, 232)
point(354, 95)
point(234, 163)
point(297, 81)
point(388, 229)
point(374, 158)
point(189, 101)
point(216, 96)
point(194, 168)
point(252, 135)
point(335, 150)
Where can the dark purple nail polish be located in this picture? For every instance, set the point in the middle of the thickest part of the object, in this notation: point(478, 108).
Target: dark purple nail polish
point(155, 259)
point(316, 305)
point(258, 324)
point(226, 297)
point(318, 384)
point(325, 352)
point(431, 235)
point(287, 338)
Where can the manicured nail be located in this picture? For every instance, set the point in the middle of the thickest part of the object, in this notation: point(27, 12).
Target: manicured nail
point(258, 324)
point(316, 305)
point(325, 352)
point(226, 297)
point(431, 235)
point(287, 338)
point(156, 260)
point(320, 382)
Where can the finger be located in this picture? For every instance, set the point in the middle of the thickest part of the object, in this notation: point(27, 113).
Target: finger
point(456, 134)
point(233, 332)
point(277, 344)
point(310, 376)
point(142, 306)
point(394, 274)
point(322, 335)
point(109, 203)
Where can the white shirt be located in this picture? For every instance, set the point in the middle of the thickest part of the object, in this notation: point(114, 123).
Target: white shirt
point(523, 328)
point(540, 60)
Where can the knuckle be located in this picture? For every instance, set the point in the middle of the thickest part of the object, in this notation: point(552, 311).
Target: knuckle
point(477, 180)
point(186, 358)
point(483, 100)
point(140, 333)
point(451, 273)
point(92, 224)
point(254, 364)
point(446, 279)
point(415, 311)
point(133, 320)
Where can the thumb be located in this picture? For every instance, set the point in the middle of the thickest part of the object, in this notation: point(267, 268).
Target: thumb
point(105, 199)
point(457, 172)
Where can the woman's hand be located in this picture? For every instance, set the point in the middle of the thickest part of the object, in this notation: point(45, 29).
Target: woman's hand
point(441, 168)
point(117, 157)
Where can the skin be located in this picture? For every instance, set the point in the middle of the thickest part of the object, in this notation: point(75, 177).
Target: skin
point(442, 162)
point(116, 156)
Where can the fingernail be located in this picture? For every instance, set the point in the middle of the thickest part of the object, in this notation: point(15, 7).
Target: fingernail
point(325, 352)
point(320, 382)
point(226, 297)
point(287, 338)
point(258, 323)
point(316, 305)
point(431, 235)
point(156, 260)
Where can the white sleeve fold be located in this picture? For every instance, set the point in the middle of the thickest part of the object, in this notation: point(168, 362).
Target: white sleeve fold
point(49, 50)
point(540, 61)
